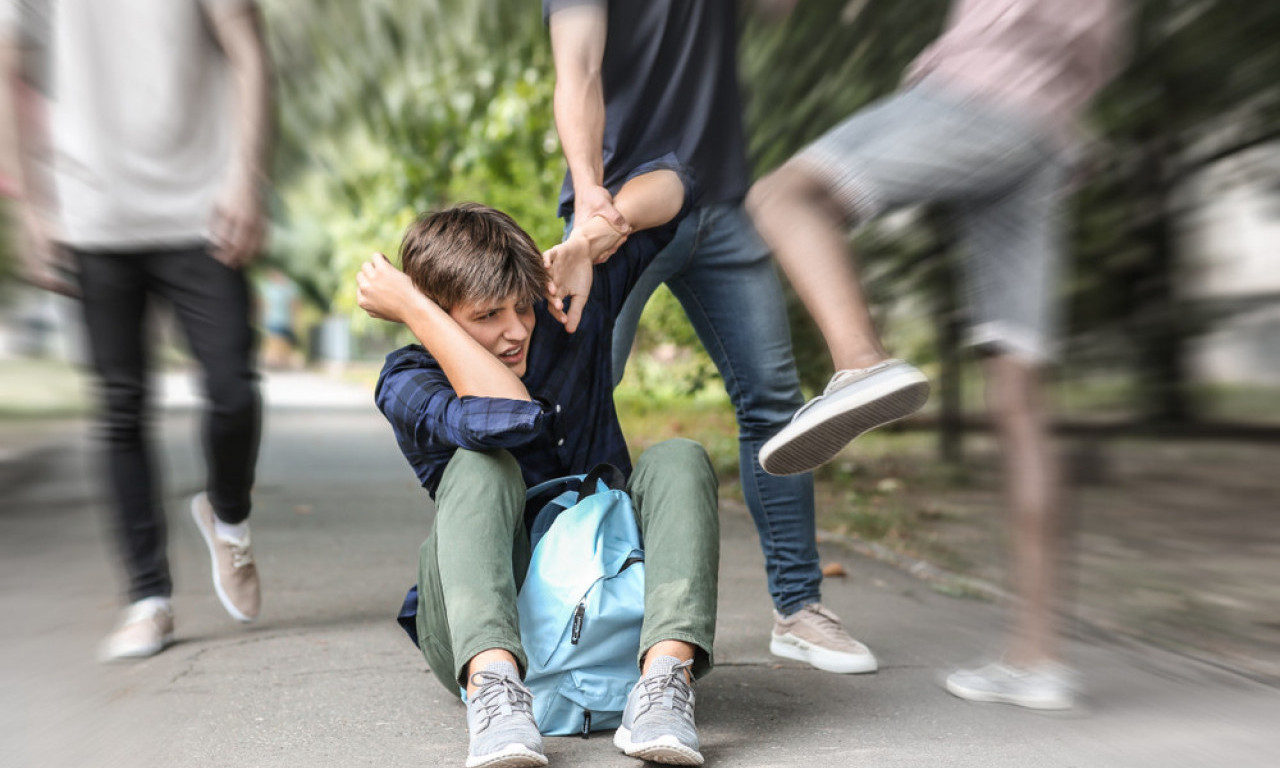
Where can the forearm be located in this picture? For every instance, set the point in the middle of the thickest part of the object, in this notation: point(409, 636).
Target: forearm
point(20, 142)
point(577, 46)
point(239, 32)
point(652, 199)
point(10, 136)
point(579, 113)
point(472, 370)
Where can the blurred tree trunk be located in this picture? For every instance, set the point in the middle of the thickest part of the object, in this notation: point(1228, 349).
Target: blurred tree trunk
point(943, 288)
point(1164, 330)
point(950, 384)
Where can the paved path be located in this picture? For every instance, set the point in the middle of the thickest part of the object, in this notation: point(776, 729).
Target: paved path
point(327, 679)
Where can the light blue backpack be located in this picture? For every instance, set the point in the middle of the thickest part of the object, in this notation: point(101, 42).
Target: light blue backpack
point(582, 604)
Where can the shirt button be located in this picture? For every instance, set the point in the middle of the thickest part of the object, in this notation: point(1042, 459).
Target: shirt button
point(560, 441)
point(557, 407)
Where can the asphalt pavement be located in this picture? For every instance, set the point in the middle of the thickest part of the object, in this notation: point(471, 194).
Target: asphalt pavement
point(326, 678)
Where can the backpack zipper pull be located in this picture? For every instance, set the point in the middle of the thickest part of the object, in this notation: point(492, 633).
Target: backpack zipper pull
point(579, 614)
point(586, 723)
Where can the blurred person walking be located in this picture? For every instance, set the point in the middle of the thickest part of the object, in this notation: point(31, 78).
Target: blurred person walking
point(639, 80)
point(158, 131)
point(279, 304)
point(985, 123)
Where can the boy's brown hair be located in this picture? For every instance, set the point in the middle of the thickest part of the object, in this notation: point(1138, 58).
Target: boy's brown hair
point(472, 253)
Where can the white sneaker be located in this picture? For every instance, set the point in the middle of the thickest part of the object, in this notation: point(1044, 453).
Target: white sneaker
point(855, 401)
point(815, 636)
point(1044, 686)
point(145, 629)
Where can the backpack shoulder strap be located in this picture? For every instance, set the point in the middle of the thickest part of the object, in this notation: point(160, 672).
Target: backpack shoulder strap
point(608, 474)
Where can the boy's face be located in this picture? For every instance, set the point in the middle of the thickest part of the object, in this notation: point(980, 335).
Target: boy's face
point(503, 327)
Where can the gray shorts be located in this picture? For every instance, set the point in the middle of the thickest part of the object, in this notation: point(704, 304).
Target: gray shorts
point(1001, 173)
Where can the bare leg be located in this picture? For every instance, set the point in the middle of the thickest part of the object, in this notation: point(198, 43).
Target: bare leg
point(804, 227)
point(1015, 400)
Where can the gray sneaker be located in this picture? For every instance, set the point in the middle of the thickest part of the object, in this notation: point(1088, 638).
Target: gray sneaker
point(657, 724)
point(500, 718)
point(854, 402)
point(815, 636)
point(1043, 686)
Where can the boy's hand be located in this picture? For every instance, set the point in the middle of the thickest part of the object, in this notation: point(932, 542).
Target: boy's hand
point(571, 269)
point(384, 291)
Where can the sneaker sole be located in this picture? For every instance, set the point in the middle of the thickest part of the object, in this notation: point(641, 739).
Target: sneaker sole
point(511, 756)
point(820, 658)
point(145, 652)
point(207, 535)
point(808, 443)
point(666, 750)
point(989, 697)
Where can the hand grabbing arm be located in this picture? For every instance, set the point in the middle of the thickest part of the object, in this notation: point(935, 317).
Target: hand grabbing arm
point(650, 200)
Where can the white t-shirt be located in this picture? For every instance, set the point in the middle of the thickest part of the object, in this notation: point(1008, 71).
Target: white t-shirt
point(141, 120)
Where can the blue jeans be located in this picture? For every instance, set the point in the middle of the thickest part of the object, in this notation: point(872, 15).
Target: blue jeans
point(723, 275)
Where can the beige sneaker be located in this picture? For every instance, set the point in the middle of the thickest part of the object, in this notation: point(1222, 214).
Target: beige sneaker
point(145, 629)
point(814, 635)
point(235, 577)
point(856, 400)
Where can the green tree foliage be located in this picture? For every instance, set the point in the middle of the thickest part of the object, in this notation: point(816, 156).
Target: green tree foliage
point(389, 108)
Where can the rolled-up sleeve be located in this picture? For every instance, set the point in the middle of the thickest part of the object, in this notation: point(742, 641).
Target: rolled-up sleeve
point(425, 412)
point(479, 423)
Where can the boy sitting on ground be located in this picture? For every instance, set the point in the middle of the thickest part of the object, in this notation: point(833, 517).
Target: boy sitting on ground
point(501, 396)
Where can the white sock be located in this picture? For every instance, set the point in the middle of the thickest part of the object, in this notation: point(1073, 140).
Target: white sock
point(154, 604)
point(234, 531)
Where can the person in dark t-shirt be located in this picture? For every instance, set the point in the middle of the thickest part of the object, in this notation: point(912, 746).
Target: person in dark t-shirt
point(641, 79)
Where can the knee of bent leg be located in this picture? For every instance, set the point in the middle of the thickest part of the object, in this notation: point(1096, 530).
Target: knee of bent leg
point(232, 393)
point(787, 183)
point(678, 457)
point(492, 478)
point(123, 413)
point(498, 465)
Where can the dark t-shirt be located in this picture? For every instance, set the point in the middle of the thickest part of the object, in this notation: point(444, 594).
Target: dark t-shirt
point(671, 86)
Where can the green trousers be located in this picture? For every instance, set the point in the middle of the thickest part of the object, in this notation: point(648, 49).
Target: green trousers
point(473, 563)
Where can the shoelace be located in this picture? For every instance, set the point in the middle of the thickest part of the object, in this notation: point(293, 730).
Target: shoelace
point(495, 693)
point(654, 689)
point(240, 554)
point(838, 379)
point(829, 621)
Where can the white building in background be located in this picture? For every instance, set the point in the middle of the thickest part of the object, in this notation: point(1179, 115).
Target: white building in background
point(1233, 264)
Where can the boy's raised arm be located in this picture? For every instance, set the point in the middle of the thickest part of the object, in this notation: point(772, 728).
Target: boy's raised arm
point(387, 293)
point(648, 200)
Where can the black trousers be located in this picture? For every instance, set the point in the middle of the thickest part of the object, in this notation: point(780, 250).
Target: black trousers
point(212, 304)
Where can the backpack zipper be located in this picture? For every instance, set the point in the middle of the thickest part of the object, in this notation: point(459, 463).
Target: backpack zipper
point(586, 723)
point(579, 614)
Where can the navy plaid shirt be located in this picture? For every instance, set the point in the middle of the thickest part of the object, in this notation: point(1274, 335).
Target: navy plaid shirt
point(569, 426)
